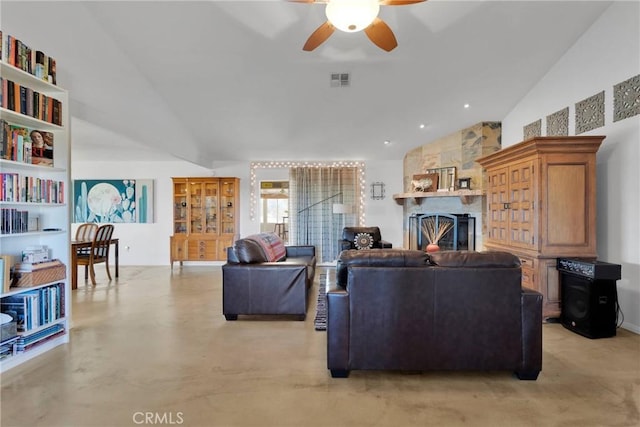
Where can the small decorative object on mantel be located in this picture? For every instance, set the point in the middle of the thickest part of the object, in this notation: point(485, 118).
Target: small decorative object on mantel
point(434, 230)
point(464, 183)
point(425, 182)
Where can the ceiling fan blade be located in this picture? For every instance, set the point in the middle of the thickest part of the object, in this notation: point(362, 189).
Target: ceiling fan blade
point(381, 35)
point(399, 2)
point(322, 33)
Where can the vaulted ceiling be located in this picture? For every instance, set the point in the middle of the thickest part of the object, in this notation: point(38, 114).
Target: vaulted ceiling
point(222, 81)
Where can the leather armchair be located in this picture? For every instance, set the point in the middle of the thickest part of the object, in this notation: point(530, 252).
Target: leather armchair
point(349, 235)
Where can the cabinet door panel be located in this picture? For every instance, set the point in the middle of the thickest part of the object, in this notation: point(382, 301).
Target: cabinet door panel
point(566, 221)
point(210, 207)
point(497, 197)
point(227, 207)
point(180, 206)
point(521, 204)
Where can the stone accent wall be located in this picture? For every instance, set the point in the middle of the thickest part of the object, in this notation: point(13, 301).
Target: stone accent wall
point(460, 149)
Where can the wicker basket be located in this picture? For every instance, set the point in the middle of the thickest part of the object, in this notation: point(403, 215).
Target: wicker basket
point(39, 277)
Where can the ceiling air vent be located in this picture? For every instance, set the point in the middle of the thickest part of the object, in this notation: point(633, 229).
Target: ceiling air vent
point(339, 79)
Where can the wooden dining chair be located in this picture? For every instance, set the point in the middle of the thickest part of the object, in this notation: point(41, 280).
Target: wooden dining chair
point(86, 232)
point(99, 252)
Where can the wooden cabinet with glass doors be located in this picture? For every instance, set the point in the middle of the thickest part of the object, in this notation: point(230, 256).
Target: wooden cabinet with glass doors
point(205, 218)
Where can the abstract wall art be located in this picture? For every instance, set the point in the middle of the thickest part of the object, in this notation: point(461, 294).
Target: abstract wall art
point(113, 201)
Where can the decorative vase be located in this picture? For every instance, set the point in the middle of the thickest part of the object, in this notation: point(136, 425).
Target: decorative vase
point(432, 247)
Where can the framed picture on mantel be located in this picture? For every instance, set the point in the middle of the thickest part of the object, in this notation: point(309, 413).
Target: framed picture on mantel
point(464, 183)
point(446, 178)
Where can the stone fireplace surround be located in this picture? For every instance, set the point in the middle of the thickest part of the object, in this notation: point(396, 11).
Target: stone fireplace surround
point(460, 149)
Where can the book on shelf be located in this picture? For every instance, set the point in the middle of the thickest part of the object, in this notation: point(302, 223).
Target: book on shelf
point(35, 308)
point(35, 62)
point(24, 100)
point(6, 262)
point(16, 188)
point(25, 342)
point(26, 145)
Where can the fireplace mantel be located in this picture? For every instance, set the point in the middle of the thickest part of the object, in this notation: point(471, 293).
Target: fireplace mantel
point(466, 196)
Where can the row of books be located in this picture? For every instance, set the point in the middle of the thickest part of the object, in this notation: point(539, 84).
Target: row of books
point(13, 221)
point(35, 308)
point(24, 100)
point(20, 55)
point(18, 188)
point(26, 145)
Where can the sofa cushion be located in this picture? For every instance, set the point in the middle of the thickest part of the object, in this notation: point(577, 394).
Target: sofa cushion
point(472, 259)
point(377, 258)
point(262, 247)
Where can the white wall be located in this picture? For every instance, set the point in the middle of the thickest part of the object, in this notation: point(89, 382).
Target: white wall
point(607, 54)
point(142, 244)
point(148, 244)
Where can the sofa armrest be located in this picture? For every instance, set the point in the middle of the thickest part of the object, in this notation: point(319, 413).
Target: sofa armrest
point(337, 328)
point(385, 245)
point(531, 334)
point(346, 245)
point(301, 251)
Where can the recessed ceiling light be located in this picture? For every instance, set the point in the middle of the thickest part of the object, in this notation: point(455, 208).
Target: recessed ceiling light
point(421, 125)
point(387, 142)
point(466, 105)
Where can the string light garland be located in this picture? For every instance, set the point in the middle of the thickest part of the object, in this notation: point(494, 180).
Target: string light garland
point(253, 200)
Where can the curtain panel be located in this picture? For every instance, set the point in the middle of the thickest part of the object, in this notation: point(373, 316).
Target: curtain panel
point(312, 195)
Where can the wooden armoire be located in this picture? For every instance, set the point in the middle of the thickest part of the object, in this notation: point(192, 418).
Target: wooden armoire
point(541, 206)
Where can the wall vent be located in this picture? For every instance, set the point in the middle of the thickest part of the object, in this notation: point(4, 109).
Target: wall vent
point(340, 80)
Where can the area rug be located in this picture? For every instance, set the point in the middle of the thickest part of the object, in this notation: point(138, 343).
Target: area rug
point(321, 309)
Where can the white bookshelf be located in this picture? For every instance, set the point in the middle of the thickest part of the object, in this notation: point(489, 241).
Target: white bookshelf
point(51, 215)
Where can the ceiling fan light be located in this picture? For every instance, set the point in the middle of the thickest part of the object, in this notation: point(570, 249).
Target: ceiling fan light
point(352, 15)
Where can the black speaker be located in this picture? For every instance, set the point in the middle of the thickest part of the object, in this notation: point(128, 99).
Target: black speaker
point(589, 306)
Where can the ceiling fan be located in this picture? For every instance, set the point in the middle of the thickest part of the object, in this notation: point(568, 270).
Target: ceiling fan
point(352, 16)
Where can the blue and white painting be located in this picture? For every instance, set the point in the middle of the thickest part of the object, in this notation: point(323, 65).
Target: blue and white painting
point(113, 201)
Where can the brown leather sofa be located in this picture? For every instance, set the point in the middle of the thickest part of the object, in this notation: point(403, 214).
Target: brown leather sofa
point(253, 285)
point(394, 309)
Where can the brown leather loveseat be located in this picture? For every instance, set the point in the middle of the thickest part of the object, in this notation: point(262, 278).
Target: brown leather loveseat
point(263, 276)
point(394, 309)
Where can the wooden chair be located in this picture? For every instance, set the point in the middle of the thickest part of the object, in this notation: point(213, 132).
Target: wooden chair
point(99, 252)
point(86, 231)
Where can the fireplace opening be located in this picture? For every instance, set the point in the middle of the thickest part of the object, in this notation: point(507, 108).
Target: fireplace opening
point(461, 236)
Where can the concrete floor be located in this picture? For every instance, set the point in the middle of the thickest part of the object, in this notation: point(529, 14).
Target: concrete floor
point(154, 349)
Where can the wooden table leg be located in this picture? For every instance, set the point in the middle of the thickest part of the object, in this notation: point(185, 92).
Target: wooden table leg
point(117, 256)
point(74, 269)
